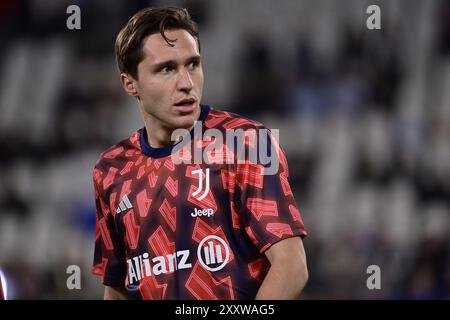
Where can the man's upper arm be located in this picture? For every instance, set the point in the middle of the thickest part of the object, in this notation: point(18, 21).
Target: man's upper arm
point(288, 251)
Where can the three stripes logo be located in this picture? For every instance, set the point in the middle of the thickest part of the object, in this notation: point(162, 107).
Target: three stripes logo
point(213, 253)
point(124, 204)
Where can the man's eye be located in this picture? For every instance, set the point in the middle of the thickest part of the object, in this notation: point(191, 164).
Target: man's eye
point(166, 69)
point(193, 65)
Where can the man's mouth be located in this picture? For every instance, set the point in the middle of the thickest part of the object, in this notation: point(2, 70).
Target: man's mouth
point(187, 104)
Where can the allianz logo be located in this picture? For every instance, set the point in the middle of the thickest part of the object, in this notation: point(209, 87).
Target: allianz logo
point(213, 253)
point(205, 212)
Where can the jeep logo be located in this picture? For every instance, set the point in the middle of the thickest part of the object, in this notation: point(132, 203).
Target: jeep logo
point(205, 212)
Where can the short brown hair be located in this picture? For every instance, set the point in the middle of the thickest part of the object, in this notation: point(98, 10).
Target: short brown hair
point(144, 23)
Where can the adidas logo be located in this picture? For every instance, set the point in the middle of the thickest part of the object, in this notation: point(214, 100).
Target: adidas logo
point(124, 204)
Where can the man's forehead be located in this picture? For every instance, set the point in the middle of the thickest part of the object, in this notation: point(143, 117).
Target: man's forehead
point(157, 49)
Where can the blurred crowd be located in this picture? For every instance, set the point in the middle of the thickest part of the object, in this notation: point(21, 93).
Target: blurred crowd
point(364, 119)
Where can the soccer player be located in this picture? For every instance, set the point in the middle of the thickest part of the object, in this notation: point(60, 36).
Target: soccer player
point(189, 230)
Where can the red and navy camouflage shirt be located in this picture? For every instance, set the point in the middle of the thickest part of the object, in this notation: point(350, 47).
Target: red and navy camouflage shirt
point(170, 230)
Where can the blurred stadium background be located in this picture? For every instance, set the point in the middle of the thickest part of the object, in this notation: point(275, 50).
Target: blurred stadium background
point(364, 118)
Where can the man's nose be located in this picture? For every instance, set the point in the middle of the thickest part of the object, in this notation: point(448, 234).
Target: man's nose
point(185, 82)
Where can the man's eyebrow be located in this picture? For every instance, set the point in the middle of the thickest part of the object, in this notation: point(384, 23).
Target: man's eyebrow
point(194, 58)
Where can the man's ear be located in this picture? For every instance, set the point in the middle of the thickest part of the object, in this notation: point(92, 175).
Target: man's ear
point(129, 84)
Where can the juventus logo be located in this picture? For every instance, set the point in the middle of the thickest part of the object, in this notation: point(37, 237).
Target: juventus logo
point(200, 184)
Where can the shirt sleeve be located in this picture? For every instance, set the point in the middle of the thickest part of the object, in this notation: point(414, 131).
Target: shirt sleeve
point(109, 255)
point(264, 197)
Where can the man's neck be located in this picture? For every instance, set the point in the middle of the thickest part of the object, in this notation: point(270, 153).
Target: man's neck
point(159, 135)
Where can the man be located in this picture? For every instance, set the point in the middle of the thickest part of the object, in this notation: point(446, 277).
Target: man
point(169, 230)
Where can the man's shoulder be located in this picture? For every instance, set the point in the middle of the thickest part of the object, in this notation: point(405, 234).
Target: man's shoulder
point(117, 154)
point(219, 119)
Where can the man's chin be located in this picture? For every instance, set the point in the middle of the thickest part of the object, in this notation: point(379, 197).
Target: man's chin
point(186, 119)
point(182, 122)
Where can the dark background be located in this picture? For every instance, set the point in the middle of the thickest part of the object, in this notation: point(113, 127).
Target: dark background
point(364, 118)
